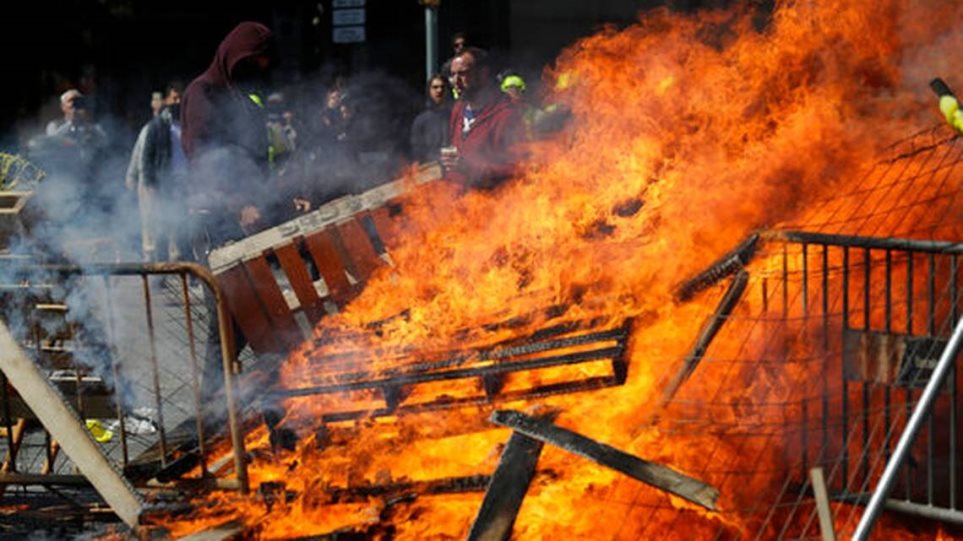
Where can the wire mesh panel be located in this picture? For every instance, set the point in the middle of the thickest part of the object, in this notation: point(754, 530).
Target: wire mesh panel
point(128, 348)
point(824, 357)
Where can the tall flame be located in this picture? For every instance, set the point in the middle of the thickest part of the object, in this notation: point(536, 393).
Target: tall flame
point(687, 133)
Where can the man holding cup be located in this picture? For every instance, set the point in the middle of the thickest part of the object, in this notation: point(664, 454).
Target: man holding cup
point(485, 126)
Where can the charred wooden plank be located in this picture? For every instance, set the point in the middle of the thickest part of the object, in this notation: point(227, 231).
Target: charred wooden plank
point(492, 369)
point(224, 532)
point(507, 489)
point(447, 402)
point(726, 265)
point(459, 358)
point(650, 473)
point(449, 485)
point(709, 331)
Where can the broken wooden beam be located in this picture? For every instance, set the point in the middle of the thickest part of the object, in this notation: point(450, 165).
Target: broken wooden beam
point(507, 489)
point(709, 331)
point(730, 263)
point(66, 426)
point(448, 485)
point(650, 473)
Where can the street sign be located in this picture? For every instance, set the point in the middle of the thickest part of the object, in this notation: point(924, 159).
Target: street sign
point(348, 34)
point(347, 17)
point(347, 4)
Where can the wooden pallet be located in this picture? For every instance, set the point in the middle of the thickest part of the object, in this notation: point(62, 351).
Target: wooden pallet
point(12, 206)
point(281, 281)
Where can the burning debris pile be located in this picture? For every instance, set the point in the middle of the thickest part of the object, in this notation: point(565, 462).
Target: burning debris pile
point(689, 134)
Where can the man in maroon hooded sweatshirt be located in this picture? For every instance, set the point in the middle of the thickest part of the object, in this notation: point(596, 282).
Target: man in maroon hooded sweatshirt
point(224, 135)
point(485, 126)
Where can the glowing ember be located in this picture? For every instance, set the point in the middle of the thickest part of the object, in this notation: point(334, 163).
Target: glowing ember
point(688, 133)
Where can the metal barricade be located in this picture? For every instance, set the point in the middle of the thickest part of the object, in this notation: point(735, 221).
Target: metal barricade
point(122, 345)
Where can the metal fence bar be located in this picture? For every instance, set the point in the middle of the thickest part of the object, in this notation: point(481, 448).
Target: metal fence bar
point(115, 373)
point(888, 327)
point(825, 398)
point(866, 385)
point(155, 371)
point(931, 330)
point(805, 280)
point(855, 241)
point(844, 457)
point(922, 410)
point(954, 315)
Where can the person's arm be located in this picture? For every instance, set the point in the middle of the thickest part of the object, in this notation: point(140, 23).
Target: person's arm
point(134, 166)
point(148, 164)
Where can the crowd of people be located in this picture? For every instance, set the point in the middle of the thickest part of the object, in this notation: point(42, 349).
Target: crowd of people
point(225, 156)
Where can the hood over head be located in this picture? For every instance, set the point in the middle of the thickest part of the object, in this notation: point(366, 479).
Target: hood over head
point(246, 40)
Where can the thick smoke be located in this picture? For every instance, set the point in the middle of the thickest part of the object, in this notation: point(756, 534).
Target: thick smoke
point(82, 213)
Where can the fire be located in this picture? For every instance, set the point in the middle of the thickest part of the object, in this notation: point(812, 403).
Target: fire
point(688, 133)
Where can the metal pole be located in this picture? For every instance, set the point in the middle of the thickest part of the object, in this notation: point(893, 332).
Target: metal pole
point(431, 41)
point(913, 426)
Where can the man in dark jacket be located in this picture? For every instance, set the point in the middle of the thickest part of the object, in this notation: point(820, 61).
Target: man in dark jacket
point(224, 134)
point(162, 182)
point(485, 127)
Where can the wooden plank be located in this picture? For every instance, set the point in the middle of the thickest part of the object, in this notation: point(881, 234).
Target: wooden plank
point(359, 248)
point(324, 251)
point(826, 526)
point(285, 329)
point(650, 473)
point(388, 223)
point(507, 489)
point(295, 268)
point(69, 429)
point(247, 311)
point(709, 330)
point(223, 532)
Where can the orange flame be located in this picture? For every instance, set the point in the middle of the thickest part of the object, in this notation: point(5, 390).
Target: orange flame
point(688, 133)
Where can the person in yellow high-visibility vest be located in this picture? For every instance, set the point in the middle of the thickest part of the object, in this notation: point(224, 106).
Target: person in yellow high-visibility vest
point(949, 105)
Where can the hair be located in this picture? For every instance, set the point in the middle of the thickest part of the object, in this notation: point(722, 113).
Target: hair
point(72, 93)
point(434, 76)
point(175, 86)
point(480, 56)
point(461, 35)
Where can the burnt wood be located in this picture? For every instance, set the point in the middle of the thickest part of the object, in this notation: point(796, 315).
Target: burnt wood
point(650, 473)
point(709, 331)
point(727, 265)
point(449, 485)
point(507, 489)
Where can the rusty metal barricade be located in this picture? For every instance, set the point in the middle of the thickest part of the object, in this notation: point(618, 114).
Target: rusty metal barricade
point(176, 298)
